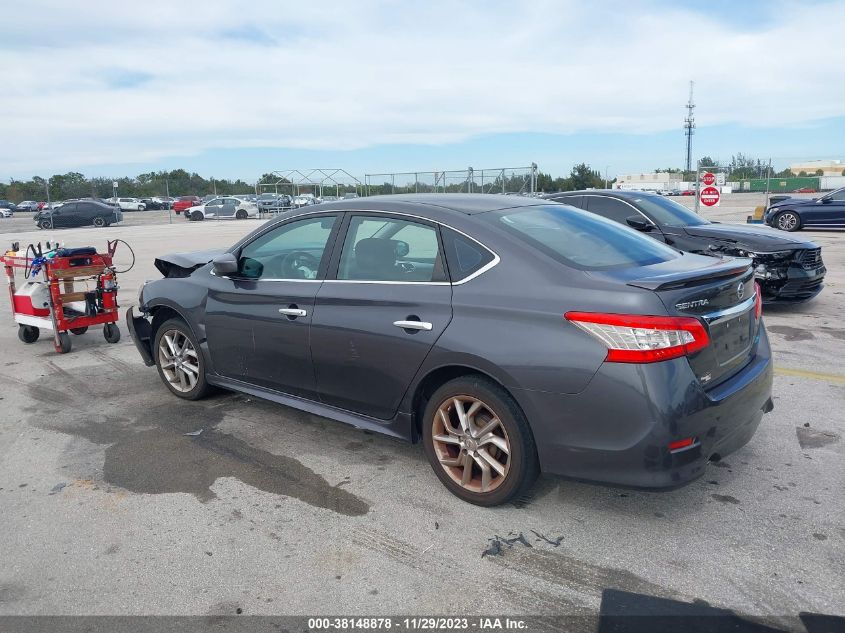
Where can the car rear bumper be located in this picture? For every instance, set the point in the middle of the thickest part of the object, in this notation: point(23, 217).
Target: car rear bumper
point(618, 430)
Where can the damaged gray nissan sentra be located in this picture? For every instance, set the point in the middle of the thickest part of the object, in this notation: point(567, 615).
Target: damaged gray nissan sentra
point(509, 335)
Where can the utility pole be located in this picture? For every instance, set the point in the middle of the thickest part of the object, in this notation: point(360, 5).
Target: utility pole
point(689, 126)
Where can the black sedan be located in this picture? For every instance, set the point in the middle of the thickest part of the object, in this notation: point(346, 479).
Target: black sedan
point(789, 269)
point(793, 214)
point(508, 335)
point(78, 213)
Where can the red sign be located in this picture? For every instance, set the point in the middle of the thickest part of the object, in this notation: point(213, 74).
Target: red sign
point(710, 196)
point(708, 179)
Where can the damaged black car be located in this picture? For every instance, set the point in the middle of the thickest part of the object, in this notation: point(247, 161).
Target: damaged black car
point(788, 269)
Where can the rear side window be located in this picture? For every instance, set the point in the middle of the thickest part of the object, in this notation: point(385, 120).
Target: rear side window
point(610, 208)
point(464, 255)
point(582, 240)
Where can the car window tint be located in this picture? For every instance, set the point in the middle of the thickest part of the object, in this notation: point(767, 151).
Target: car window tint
point(581, 239)
point(464, 255)
point(610, 208)
point(70, 207)
point(388, 249)
point(839, 196)
point(575, 201)
point(667, 212)
point(291, 251)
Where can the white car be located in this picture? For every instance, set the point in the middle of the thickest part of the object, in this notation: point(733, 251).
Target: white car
point(304, 200)
point(128, 204)
point(226, 208)
point(6, 213)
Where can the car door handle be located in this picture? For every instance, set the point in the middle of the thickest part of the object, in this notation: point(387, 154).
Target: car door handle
point(413, 325)
point(293, 312)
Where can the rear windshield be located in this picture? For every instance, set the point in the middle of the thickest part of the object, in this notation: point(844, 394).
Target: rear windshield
point(581, 239)
point(667, 212)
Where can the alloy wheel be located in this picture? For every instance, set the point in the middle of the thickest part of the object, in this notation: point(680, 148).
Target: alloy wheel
point(178, 360)
point(787, 221)
point(471, 443)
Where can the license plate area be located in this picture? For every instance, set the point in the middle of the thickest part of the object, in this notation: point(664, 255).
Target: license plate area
point(731, 337)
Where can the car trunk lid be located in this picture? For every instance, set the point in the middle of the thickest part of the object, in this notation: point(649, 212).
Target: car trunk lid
point(723, 298)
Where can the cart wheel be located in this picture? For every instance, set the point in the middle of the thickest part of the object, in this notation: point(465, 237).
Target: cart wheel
point(111, 332)
point(65, 344)
point(79, 331)
point(28, 333)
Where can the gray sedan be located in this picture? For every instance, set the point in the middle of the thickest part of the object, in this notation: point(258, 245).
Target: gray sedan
point(508, 335)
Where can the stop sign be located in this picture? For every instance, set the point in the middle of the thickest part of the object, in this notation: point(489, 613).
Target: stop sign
point(710, 196)
point(708, 179)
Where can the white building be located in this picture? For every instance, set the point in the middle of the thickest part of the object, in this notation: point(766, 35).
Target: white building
point(649, 182)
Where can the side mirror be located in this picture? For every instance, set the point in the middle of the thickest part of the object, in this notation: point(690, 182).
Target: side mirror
point(826, 200)
point(639, 223)
point(402, 248)
point(225, 264)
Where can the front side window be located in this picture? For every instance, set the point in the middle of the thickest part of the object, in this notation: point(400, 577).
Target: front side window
point(388, 249)
point(581, 239)
point(838, 196)
point(667, 212)
point(294, 250)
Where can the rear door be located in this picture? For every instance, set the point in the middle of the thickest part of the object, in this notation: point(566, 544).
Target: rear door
point(377, 319)
point(230, 205)
point(66, 215)
point(258, 320)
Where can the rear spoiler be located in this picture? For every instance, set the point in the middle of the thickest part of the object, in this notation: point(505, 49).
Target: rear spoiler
point(723, 268)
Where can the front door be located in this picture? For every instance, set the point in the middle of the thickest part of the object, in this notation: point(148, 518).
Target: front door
point(376, 321)
point(258, 320)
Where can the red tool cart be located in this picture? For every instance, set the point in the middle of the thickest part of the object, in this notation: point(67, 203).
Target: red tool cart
point(64, 290)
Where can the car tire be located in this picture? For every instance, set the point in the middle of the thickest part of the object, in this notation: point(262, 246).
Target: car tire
point(100, 222)
point(787, 221)
point(196, 216)
point(45, 224)
point(502, 458)
point(177, 377)
point(241, 214)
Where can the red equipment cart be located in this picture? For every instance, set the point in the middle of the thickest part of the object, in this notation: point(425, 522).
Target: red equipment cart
point(55, 302)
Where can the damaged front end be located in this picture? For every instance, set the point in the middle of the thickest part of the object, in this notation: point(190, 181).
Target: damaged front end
point(787, 276)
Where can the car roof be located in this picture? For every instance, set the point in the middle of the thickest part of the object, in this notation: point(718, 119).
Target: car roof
point(616, 193)
point(465, 203)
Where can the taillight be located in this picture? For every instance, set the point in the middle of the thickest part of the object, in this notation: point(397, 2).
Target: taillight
point(758, 301)
point(633, 338)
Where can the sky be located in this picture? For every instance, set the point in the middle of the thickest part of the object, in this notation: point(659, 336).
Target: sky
point(236, 89)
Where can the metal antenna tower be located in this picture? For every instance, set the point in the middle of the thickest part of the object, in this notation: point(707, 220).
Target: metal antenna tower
point(689, 126)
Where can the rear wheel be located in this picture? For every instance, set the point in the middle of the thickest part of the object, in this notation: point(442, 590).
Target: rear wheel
point(100, 222)
point(788, 221)
point(179, 360)
point(241, 214)
point(28, 333)
point(478, 441)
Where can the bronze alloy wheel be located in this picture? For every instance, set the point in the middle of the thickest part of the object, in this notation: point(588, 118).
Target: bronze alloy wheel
point(471, 443)
point(179, 361)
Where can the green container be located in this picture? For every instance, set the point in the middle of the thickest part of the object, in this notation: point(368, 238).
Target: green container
point(781, 185)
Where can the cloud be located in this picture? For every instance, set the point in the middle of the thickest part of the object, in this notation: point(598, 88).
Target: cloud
point(141, 84)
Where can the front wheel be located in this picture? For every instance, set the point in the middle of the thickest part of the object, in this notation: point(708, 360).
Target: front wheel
point(111, 333)
point(196, 216)
point(45, 224)
point(179, 360)
point(478, 442)
point(788, 221)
